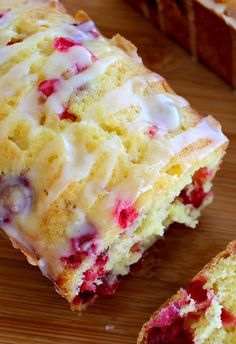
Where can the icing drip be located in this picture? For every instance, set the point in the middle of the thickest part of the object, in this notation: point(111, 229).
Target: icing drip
point(158, 109)
point(159, 155)
point(22, 70)
point(68, 87)
point(11, 14)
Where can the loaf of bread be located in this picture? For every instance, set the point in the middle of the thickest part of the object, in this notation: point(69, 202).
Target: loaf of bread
point(206, 28)
point(202, 313)
point(98, 156)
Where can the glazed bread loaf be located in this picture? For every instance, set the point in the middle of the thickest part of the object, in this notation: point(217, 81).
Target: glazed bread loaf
point(97, 154)
point(202, 313)
point(206, 28)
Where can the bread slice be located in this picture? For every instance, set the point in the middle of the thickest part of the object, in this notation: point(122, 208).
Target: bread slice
point(98, 155)
point(202, 313)
point(206, 28)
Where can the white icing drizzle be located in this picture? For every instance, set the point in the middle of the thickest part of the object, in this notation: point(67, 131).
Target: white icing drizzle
point(163, 150)
point(6, 19)
point(76, 164)
point(30, 109)
point(59, 61)
point(99, 181)
point(65, 30)
point(158, 108)
point(68, 87)
point(17, 236)
point(12, 14)
point(220, 9)
point(21, 70)
point(160, 153)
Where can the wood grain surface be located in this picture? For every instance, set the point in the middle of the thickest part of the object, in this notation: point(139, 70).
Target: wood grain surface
point(31, 312)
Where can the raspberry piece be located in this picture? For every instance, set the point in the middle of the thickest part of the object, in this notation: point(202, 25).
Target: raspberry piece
point(66, 115)
point(152, 131)
point(202, 175)
point(48, 87)
point(194, 197)
point(125, 214)
point(227, 318)
point(63, 44)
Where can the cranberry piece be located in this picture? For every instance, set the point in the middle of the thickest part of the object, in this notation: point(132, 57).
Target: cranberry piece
point(74, 260)
point(66, 115)
point(87, 286)
point(152, 131)
point(2, 14)
point(84, 297)
point(201, 296)
point(227, 318)
point(108, 288)
point(16, 197)
point(77, 69)
point(196, 291)
point(194, 197)
point(90, 275)
point(82, 246)
point(136, 248)
point(175, 333)
point(169, 327)
point(97, 271)
point(125, 214)
point(94, 33)
point(63, 44)
point(85, 243)
point(48, 87)
point(102, 259)
point(202, 175)
point(167, 315)
point(14, 41)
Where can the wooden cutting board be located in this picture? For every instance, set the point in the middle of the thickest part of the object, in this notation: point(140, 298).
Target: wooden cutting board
point(31, 312)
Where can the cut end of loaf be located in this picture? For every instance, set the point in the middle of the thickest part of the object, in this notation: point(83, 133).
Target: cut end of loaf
point(202, 313)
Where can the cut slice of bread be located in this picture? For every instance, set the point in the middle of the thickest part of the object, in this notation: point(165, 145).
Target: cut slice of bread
point(202, 313)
